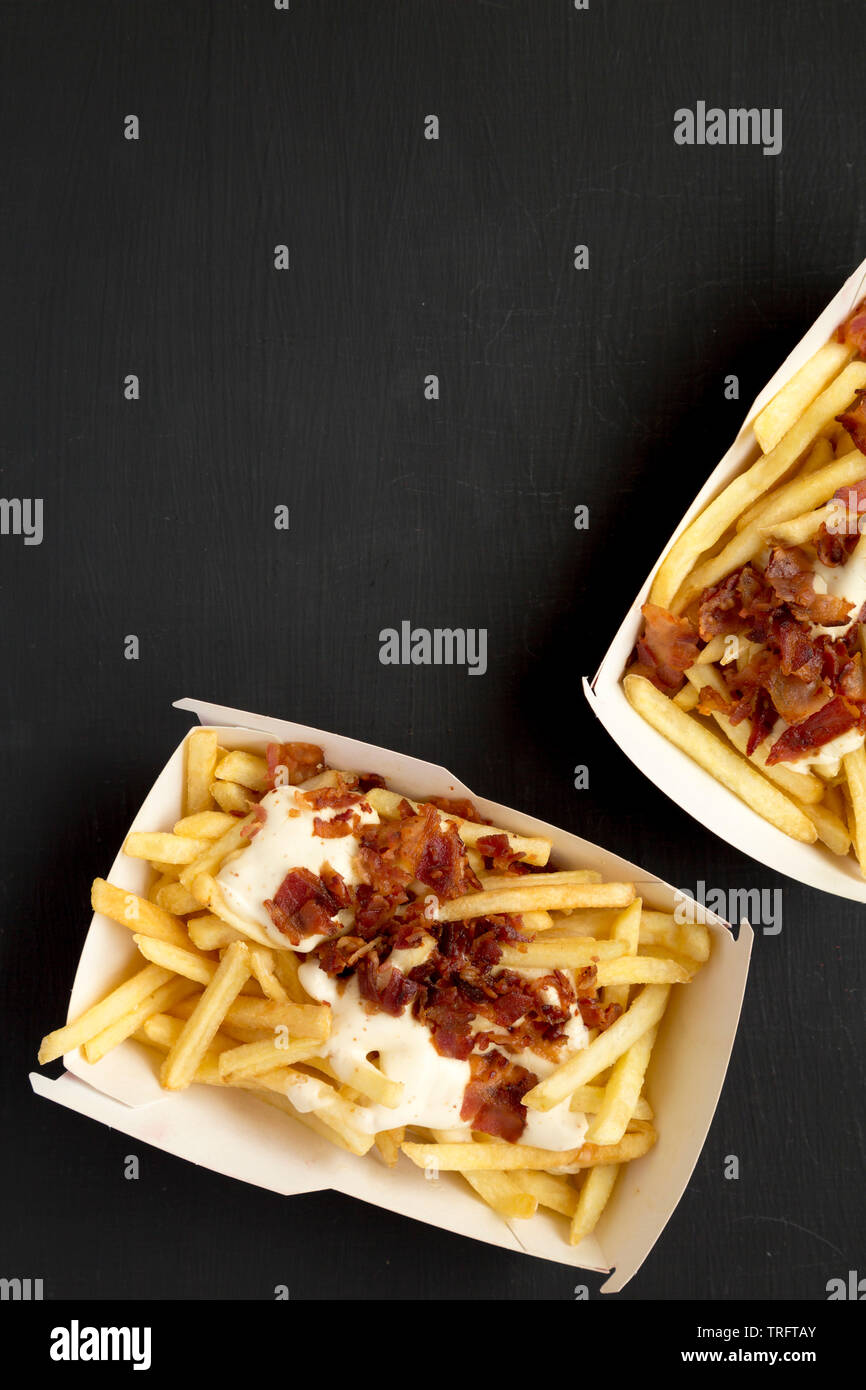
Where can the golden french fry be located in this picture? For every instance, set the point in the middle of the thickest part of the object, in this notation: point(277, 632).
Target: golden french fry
point(210, 895)
point(114, 1006)
point(175, 899)
point(216, 851)
point(686, 698)
point(588, 1100)
point(198, 1031)
point(204, 825)
point(253, 1059)
point(246, 768)
point(286, 965)
point(642, 970)
point(501, 1192)
point(645, 1011)
point(231, 797)
point(799, 392)
point(182, 961)
point(561, 952)
point(558, 898)
point(592, 1200)
point(622, 1092)
point(163, 998)
point(201, 760)
point(800, 495)
point(136, 913)
point(463, 1158)
point(626, 930)
point(165, 848)
point(715, 519)
point(545, 880)
point(855, 772)
point(686, 938)
point(210, 933)
point(831, 829)
point(549, 1189)
point(309, 1093)
point(262, 962)
point(388, 1143)
point(266, 1015)
point(718, 759)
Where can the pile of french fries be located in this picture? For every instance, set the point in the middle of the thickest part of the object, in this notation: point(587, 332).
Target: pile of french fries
point(224, 1009)
point(783, 498)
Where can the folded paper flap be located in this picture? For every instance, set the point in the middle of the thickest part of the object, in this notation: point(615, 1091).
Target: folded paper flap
point(697, 1039)
point(234, 1133)
point(670, 769)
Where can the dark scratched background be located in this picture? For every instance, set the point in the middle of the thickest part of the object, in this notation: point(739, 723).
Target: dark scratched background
point(558, 387)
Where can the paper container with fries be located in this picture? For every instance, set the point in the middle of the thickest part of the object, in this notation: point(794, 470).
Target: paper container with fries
point(737, 681)
point(254, 1029)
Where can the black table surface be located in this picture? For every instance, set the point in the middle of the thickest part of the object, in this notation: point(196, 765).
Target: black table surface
point(305, 387)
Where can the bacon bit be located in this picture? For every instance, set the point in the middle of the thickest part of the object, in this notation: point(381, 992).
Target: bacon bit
point(795, 699)
point(337, 798)
point(335, 828)
point(709, 700)
point(499, 856)
point(303, 906)
point(598, 1015)
point(493, 1100)
point(835, 542)
point(458, 806)
point(384, 986)
point(791, 575)
point(368, 780)
point(301, 761)
point(835, 718)
point(667, 647)
point(259, 815)
point(852, 679)
point(854, 421)
point(853, 330)
point(421, 847)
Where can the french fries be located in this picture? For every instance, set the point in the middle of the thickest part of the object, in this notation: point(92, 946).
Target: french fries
point(222, 1004)
point(787, 507)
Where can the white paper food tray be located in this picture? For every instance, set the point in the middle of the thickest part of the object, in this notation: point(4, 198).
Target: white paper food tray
point(673, 771)
point(232, 1133)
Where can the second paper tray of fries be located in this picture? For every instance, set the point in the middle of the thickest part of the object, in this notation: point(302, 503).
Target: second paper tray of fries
point(737, 681)
point(626, 1015)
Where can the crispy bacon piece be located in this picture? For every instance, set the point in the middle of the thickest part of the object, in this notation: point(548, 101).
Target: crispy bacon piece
point(790, 573)
point(383, 985)
point(854, 421)
point(368, 780)
point(795, 699)
point(338, 798)
point(458, 806)
point(835, 718)
point(852, 679)
point(493, 1099)
point(837, 538)
point(419, 846)
point(666, 648)
point(259, 815)
point(303, 906)
point(301, 761)
point(335, 828)
point(853, 330)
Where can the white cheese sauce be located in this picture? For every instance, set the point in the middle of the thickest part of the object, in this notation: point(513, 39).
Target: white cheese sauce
point(287, 841)
point(433, 1085)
